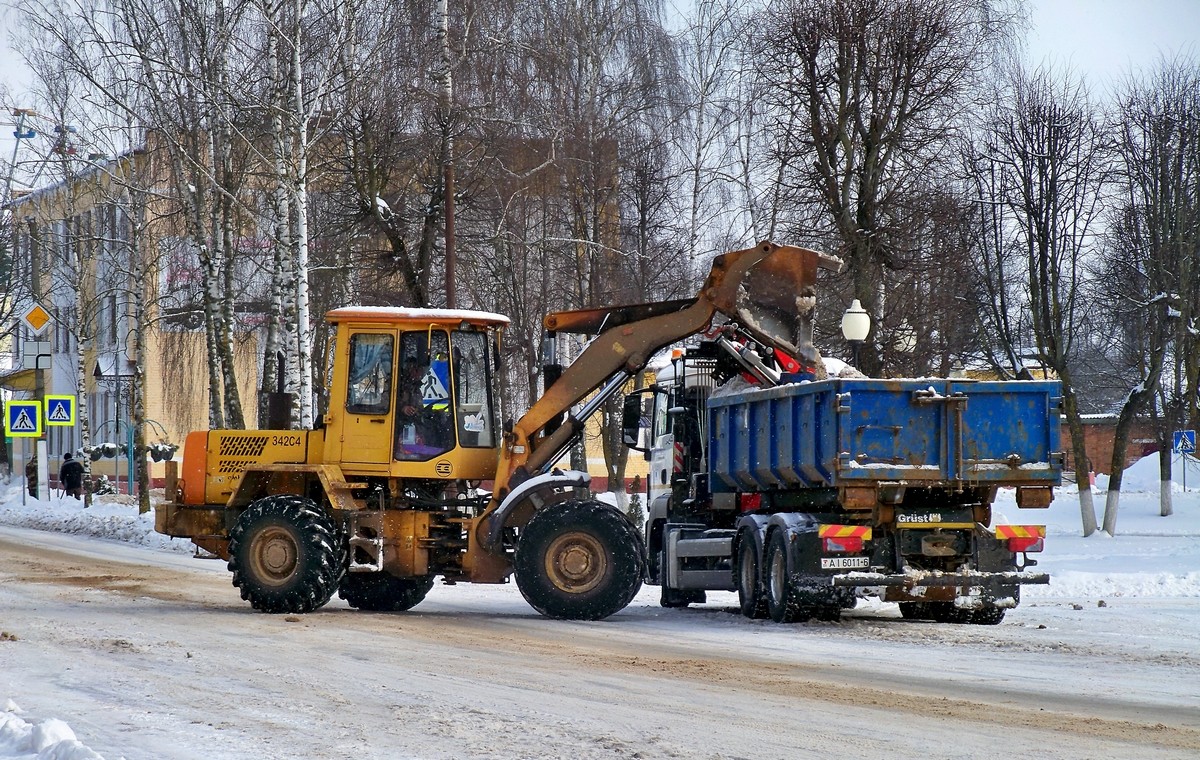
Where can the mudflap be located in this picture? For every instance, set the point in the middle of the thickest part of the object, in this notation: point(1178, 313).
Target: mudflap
point(813, 585)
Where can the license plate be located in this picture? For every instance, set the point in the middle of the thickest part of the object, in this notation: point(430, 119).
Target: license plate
point(845, 563)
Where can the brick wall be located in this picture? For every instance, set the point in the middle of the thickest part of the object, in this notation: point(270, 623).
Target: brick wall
point(1098, 441)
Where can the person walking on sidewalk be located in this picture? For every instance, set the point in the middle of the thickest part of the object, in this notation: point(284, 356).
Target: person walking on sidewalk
point(70, 477)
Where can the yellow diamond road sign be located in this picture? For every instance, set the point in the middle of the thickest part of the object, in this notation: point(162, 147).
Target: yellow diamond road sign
point(36, 318)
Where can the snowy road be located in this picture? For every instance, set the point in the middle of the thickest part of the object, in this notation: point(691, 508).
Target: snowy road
point(153, 655)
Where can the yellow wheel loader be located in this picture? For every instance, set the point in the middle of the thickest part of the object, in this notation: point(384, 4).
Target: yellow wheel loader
point(378, 500)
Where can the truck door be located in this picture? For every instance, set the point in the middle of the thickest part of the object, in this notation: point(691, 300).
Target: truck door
point(367, 434)
point(662, 449)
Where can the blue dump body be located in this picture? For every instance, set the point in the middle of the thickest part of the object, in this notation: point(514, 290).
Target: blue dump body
point(847, 432)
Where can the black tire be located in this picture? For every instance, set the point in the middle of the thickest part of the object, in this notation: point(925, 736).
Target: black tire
point(988, 615)
point(914, 611)
point(579, 560)
point(751, 597)
point(947, 612)
point(286, 555)
point(782, 603)
point(382, 592)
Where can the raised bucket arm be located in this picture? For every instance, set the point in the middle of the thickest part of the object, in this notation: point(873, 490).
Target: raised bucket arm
point(770, 290)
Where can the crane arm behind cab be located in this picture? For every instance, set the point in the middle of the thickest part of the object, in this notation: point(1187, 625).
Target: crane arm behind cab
point(768, 289)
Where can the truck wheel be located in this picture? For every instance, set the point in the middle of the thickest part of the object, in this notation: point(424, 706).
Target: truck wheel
point(751, 598)
point(286, 555)
point(383, 592)
point(988, 615)
point(579, 560)
point(913, 611)
point(947, 612)
point(781, 594)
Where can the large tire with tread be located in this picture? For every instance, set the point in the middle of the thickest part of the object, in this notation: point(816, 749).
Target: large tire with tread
point(782, 603)
point(948, 612)
point(383, 592)
point(752, 599)
point(579, 560)
point(914, 611)
point(286, 555)
point(989, 614)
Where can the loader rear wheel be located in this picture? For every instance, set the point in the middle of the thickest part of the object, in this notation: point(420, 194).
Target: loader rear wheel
point(579, 560)
point(286, 555)
point(751, 598)
point(382, 592)
point(782, 602)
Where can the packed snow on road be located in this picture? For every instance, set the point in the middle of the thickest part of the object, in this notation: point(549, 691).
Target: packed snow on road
point(116, 643)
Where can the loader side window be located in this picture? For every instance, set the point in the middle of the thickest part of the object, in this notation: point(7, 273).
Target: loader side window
point(369, 390)
point(471, 383)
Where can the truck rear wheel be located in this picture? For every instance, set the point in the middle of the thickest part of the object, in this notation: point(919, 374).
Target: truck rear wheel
point(748, 580)
point(579, 560)
point(781, 594)
point(383, 592)
point(286, 555)
point(948, 612)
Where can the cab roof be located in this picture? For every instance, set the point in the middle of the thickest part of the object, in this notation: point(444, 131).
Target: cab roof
point(404, 314)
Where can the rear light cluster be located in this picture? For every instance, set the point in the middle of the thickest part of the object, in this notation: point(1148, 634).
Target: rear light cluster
point(841, 539)
point(1022, 538)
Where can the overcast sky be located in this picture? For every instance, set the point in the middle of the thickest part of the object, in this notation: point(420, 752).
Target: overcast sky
point(1101, 38)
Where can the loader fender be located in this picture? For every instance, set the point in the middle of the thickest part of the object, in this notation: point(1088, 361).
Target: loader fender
point(551, 480)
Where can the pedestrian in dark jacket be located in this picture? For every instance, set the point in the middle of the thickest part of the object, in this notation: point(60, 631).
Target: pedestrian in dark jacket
point(71, 475)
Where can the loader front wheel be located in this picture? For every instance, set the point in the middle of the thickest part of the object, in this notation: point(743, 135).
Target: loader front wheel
point(382, 592)
point(579, 560)
point(286, 555)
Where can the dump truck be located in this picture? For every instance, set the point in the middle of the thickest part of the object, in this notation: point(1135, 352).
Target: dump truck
point(804, 494)
point(384, 496)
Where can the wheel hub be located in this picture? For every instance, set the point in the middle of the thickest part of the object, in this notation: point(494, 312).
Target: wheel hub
point(275, 555)
point(576, 562)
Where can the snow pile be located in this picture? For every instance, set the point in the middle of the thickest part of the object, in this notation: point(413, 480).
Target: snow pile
point(48, 739)
point(113, 517)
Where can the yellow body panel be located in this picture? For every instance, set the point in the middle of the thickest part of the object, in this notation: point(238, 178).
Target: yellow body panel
point(230, 452)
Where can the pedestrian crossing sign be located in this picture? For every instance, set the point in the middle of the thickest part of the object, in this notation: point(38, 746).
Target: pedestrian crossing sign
point(23, 418)
point(1184, 442)
point(60, 410)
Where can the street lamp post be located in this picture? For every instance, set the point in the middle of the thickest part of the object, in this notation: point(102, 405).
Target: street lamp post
point(856, 324)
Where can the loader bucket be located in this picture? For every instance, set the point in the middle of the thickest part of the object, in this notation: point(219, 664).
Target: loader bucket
point(770, 291)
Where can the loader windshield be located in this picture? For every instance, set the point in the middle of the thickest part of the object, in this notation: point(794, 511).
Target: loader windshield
point(443, 395)
point(423, 405)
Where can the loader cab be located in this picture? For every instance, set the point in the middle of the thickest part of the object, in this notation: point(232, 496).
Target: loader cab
point(412, 393)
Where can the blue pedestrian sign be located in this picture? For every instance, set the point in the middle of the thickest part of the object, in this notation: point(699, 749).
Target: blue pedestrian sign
point(23, 418)
point(60, 410)
point(1184, 442)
